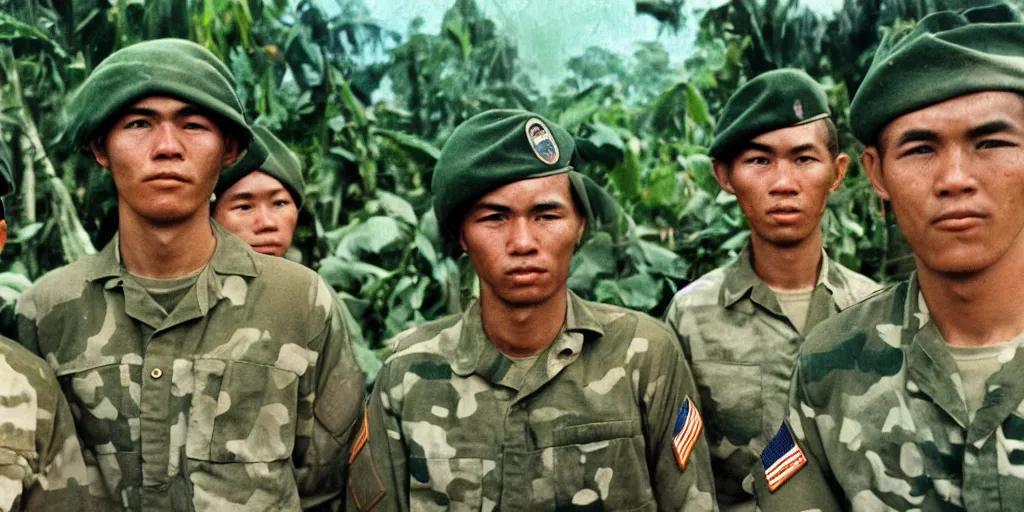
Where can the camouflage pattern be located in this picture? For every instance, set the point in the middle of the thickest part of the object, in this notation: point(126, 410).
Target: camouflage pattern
point(590, 428)
point(41, 466)
point(243, 398)
point(878, 408)
point(742, 349)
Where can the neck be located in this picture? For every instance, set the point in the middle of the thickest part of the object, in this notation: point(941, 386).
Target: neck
point(791, 267)
point(165, 251)
point(978, 309)
point(522, 331)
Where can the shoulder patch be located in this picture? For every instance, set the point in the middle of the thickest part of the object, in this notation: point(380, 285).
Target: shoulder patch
point(363, 482)
point(687, 430)
point(782, 458)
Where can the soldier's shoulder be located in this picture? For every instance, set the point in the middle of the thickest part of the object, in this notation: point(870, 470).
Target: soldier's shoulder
point(859, 285)
point(421, 339)
point(284, 271)
point(868, 329)
point(703, 291)
point(60, 285)
point(28, 365)
point(658, 333)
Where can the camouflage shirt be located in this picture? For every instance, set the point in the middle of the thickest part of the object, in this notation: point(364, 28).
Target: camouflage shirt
point(591, 426)
point(244, 397)
point(742, 349)
point(41, 466)
point(878, 408)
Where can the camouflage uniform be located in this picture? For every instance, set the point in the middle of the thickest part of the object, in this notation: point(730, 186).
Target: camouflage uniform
point(41, 465)
point(742, 349)
point(591, 426)
point(243, 398)
point(878, 408)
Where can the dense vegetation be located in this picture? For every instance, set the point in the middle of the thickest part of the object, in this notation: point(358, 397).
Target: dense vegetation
point(643, 125)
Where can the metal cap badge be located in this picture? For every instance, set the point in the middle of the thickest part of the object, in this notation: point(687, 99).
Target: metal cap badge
point(541, 141)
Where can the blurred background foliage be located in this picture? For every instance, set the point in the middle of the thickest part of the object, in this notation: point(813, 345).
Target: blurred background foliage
point(643, 126)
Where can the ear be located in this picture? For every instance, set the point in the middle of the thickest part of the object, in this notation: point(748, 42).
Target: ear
point(842, 164)
point(581, 231)
point(99, 152)
point(871, 160)
point(230, 150)
point(722, 175)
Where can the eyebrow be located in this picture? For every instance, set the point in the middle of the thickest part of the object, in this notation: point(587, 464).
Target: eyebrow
point(917, 136)
point(543, 206)
point(186, 111)
point(801, 148)
point(989, 128)
point(756, 147)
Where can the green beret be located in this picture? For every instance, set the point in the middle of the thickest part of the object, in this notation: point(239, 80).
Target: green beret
point(274, 159)
point(172, 67)
point(771, 101)
point(498, 147)
point(948, 54)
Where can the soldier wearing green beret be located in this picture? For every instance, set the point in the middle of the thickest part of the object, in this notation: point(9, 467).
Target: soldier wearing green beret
point(914, 398)
point(741, 325)
point(259, 201)
point(41, 466)
point(201, 374)
point(533, 398)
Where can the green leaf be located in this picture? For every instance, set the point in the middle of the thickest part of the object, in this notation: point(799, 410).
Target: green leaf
point(397, 207)
point(593, 259)
point(411, 142)
point(28, 232)
point(626, 175)
point(371, 237)
point(639, 292)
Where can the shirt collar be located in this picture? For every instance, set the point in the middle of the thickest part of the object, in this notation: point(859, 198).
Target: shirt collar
point(232, 256)
point(741, 279)
point(476, 354)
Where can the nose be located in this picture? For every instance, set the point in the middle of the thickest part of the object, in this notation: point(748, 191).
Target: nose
point(784, 182)
point(167, 144)
point(521, 238)
point(264, 220)
point(954, 178)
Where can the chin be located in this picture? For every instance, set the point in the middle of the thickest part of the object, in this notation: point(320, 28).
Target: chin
point(525, 297)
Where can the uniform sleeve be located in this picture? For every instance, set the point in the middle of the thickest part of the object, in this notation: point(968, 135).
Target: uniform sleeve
point(676, 488)
point(28, 335)
point(812, 487)
point(379, 472)
point(60, 483)
point(674, 318)
point(330, 407)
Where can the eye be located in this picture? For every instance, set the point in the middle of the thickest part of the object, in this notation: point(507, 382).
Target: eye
point(281, 203)
point(549, 216)
point(995, 143)
point(757, 160)
point(804, 159)
point(136, 123)
point(192, 125)
point(242, 207)
point(494, 217)
point(918, 150)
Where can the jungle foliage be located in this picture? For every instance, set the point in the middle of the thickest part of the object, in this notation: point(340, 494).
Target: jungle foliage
point(643, 126)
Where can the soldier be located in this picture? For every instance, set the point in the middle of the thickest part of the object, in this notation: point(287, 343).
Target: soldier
point(202, 375)
point(259, 201)
point(532, 398)
point(913, 399)
point(741, 325)
point(41, 466)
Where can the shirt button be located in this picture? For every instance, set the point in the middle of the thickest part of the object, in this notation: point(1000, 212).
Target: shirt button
point(156, 373)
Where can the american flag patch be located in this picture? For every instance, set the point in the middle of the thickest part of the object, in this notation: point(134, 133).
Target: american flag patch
point(782, 458)
point(687, 431)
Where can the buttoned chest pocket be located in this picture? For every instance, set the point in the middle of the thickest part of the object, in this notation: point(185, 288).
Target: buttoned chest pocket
point(241, 412)
point(731, 395)
point(602, 466)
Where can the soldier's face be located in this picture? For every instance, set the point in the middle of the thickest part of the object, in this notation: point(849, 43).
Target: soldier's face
point(259, 210)
point(954, 174)
point(782, 180)
point(520, 239)
point(165, 156)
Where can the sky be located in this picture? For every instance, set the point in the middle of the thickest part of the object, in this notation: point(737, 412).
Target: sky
point(549, 32)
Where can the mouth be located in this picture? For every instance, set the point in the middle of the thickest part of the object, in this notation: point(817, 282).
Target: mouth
point(168, 176)
point(267, 248)
point(785, 214)
point(959, 219)
point(525, 275)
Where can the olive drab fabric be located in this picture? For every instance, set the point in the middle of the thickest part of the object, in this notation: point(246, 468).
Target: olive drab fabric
point(172, 67)
point(41, 466)
point(770, 101)
point(279, 162)
point(244, 397)
point(742, 350)
point(498, 147)
point(947, 54)
point(590, 425)
point(878, 408)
